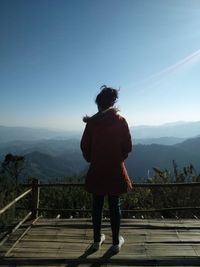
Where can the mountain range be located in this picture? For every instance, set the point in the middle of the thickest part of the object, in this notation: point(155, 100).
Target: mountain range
point(144, 157)
point(180, 130)
point(55, 158)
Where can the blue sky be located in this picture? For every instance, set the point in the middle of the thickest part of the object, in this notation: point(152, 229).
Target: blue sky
point(55, 55)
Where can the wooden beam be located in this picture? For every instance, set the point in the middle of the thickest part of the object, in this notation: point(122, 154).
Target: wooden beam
point(133, 210)
point(15, 201)
point(23, 234)
point(148, 185)
point(35, 198)
point(15, 228)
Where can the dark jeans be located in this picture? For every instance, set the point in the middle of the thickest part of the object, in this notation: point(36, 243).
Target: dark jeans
point(115, 215)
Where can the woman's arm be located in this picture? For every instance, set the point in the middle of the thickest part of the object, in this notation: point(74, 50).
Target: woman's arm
point(126, 140)
point(86, 143)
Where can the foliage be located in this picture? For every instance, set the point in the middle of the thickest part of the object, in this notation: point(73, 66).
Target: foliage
point(66, 198)
point(11, 170)
point(13, 167)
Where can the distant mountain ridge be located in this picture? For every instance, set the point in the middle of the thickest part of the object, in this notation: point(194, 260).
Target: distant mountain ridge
point(9, 134)
point(160, 140)
point(46, 167)
point(171, 131)
point(179, 130)
point(144, 157)
point(51, 154)
point(49, 159)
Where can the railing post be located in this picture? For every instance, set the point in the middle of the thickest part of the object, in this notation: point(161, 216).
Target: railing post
point(35, 198)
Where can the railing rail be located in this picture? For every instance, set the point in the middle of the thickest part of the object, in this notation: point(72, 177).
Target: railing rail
point(134, 184)
point(15, 201)
point(27, 216)
point(34, 203)
point(124, 210)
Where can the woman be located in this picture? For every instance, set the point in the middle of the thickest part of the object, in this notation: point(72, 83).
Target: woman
point(105, 143)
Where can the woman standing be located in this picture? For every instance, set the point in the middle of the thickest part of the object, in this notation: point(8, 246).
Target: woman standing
point(105, 143)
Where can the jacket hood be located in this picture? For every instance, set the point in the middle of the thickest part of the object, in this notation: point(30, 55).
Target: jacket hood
point(101, 114)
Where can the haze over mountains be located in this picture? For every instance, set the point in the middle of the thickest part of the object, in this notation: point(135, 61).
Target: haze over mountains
point(9, 134)
point(179, 130)
point(55, 154)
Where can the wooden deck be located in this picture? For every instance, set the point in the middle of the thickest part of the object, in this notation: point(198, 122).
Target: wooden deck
point(65, 242)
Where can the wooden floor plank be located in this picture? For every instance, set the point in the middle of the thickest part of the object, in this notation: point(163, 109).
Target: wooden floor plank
point(66, 242)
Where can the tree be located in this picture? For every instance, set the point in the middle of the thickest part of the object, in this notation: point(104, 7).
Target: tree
point(13, 166)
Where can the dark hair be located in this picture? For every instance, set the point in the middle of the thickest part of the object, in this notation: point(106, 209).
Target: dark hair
point(107, 97)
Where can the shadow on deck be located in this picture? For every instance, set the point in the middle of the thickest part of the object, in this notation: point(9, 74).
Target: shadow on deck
point(66, 242)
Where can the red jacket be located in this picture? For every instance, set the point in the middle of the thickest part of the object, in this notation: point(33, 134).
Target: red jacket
point(105, 143)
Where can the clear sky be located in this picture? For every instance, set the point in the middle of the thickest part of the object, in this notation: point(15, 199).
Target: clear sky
point(55, 55)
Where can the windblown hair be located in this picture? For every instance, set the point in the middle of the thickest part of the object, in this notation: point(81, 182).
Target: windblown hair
point(107, 97)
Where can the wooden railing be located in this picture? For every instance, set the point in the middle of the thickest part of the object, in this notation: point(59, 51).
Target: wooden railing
point(34, 190)
point(32, 213)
